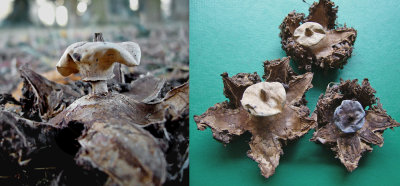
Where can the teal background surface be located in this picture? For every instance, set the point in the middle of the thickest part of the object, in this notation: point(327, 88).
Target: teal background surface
point(237, 36)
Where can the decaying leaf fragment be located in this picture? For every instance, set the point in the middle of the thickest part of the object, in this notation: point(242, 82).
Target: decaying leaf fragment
point(350, 144)
point(132, 159)
point(43, 99)
point(316, 39)
point(230, 119)
point(21, 137)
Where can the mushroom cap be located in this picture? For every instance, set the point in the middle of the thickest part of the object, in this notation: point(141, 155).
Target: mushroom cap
point(94, 60)
point(264, 99)
point(309, 34)
point(349, 117)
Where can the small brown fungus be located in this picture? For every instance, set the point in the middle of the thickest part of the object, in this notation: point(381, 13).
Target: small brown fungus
point(346, 125)
point(275, 114)
point(316, 40)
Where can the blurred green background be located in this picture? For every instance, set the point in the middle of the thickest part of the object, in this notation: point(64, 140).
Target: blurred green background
point(237, 36)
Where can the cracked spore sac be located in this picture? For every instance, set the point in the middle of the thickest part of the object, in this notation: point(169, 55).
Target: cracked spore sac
point(349, 116)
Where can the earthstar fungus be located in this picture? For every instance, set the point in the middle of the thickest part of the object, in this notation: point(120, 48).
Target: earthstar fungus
point(269, 128)
point(349, 121)
point(316, 40)
point(114, 140)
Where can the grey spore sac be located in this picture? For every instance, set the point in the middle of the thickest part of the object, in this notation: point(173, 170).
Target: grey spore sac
point(349, 117)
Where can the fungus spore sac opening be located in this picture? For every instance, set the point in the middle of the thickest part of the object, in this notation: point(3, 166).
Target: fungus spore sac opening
point(349, 117)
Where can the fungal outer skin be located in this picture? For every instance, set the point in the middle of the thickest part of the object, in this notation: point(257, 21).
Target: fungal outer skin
point(349, 116)
point(127, 153)
point(50, 98)
point(230, 119)
point(330, 52)
point(94, 60)
point(264, 98)
point(349, 147)
point(309, 34)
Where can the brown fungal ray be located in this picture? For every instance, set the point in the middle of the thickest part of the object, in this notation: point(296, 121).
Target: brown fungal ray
point(350, 147)
point(266, 151)
point(228, 119)
point(331, 52)
point(128, 154)
point(278, 70)
point(49, 98)
point(91, 108)
point(268, 132)
point(334, 50)
point(235, 86)
point(177, 101)
point(145, 89)
point(289, 24)
point(224, 121)
point(323, 13)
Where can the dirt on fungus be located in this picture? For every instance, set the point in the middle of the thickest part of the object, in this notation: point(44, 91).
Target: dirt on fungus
point(350, 147)
point(229, 119)
point(332, 52)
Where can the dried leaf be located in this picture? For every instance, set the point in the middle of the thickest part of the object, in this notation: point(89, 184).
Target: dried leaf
point(177, 101)
point(44, 97)
point(20, 137)
point(91, 108)
point(145, 89)
point(128, 154)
